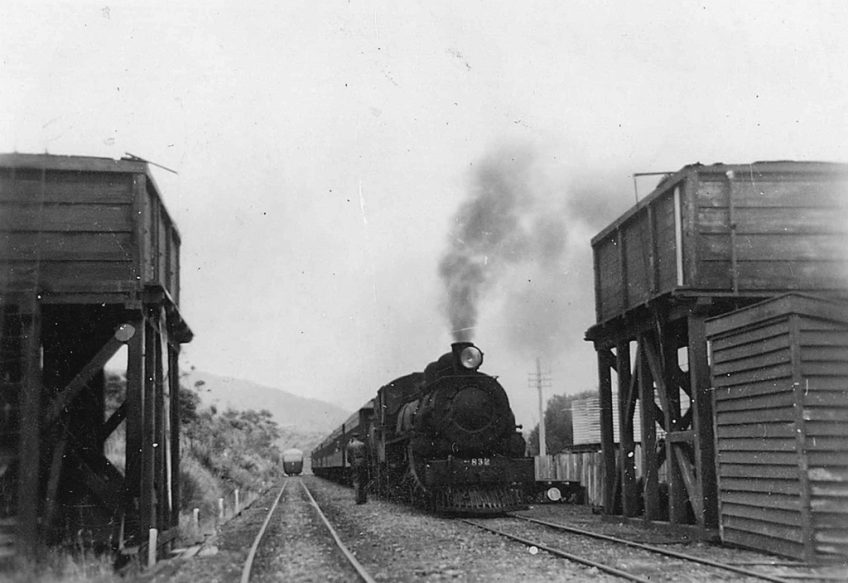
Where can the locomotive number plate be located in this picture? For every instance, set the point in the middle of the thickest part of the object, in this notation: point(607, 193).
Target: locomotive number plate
point(481, 461)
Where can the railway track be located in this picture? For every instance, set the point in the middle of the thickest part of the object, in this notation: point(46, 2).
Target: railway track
point(395, 542)
point(635, 561)
point(314, 531)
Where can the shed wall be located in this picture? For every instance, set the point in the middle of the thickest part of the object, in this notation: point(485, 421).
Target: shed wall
point(824, 369)
point(781, 409)
point(759, 479)
point(586, 414)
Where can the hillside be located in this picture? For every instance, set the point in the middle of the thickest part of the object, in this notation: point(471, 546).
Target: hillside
point(303, 422)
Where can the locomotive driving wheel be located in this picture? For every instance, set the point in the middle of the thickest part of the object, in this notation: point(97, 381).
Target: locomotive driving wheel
point(414, 478)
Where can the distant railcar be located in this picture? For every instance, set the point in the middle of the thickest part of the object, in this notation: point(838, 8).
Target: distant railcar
point(293, 462)
point(445, 438)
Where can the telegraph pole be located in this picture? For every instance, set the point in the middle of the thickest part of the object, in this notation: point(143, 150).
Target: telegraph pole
point(541, 381)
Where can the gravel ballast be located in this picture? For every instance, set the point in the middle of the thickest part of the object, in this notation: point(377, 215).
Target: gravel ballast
point(397, 542)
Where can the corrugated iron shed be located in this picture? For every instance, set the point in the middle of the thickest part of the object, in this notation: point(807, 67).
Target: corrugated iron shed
point(780, 378)
point(586, 420)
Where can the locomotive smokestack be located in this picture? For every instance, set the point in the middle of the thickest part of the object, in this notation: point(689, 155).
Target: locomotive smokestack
point(457, 347)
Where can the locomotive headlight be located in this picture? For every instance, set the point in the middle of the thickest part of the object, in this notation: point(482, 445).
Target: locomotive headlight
point(471, 357)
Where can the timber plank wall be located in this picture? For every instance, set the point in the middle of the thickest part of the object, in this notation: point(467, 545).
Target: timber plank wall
point(754, 229)
point(68, 228)
point(780, 375)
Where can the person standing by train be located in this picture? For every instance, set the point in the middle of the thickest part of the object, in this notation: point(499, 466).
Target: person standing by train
point(357, 456)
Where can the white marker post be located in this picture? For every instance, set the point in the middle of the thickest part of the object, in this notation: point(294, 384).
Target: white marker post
point(195, 522)
point(152, 540)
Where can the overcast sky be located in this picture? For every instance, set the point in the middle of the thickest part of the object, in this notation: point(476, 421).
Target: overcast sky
point(327, 152)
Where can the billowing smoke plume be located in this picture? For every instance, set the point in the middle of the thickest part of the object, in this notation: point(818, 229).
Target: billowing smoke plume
point(504, 223)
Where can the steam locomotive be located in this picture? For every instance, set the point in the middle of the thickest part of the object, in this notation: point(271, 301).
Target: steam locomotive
point(445, 438)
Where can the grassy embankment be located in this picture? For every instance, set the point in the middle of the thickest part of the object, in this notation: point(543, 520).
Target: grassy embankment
point(220, 452)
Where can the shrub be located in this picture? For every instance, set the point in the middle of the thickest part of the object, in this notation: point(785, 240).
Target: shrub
point(199, 486)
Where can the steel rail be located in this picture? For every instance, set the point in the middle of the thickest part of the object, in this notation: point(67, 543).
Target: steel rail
point(248, 564)
point(563, 554)
point(653, 549)
point(360, 570)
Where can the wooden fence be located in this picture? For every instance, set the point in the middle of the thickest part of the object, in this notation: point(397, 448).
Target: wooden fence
point(585, 467)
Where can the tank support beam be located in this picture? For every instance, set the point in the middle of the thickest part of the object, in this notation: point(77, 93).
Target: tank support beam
point(627, 404)
point(650, 469)
point(648, 368)
point(92, 367)
point(605, 363)
point(53, 362)
point(702, 422)
point(29, 448)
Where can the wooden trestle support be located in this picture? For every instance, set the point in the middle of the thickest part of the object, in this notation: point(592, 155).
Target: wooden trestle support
point(89, 263)
point(53, 383)
point(706, 241)
point(645, 358)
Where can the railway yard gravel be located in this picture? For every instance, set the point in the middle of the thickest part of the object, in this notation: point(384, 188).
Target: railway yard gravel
point(395, 542)
point(399, 543)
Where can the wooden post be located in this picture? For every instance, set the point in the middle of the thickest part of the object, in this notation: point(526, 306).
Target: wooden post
point(30, 432)
point(799, 389)
point(161, 487)
point(134, 431)
point(627, 448)
point(676, 488)
point(650, 471)
point(173, 373)
point(152, 542)
point(607, 442)
point(702, 423)
point(55, 473)
point(147, 504)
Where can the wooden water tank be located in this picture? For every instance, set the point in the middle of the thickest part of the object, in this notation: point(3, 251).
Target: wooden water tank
point(83, 230)
point(742, 230)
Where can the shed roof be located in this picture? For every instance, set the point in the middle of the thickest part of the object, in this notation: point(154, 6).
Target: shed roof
point(779, 307)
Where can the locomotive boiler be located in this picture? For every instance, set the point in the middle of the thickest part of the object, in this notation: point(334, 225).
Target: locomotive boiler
point(445, 438)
